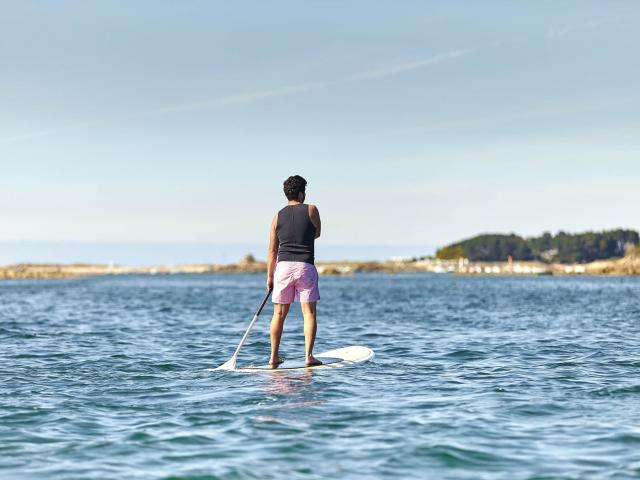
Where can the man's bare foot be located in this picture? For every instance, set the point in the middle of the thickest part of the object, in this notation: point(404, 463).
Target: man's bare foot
point(274, 363)
point(312, 361)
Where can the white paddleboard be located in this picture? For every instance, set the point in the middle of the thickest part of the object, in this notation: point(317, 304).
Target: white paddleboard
point(339, 357)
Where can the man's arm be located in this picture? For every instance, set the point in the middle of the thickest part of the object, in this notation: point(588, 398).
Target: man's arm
point(272, 254)
point(314, 214)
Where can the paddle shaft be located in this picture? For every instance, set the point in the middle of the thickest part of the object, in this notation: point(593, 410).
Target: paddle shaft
point(253, 321)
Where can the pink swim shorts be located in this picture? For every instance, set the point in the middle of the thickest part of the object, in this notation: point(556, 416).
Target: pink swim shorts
point(295, 279)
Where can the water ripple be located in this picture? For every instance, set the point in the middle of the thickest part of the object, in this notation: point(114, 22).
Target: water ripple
point(479, 378)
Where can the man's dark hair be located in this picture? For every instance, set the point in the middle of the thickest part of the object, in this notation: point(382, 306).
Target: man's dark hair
point(293, 186)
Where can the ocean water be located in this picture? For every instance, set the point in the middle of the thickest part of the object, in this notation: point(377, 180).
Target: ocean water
point(474, 378)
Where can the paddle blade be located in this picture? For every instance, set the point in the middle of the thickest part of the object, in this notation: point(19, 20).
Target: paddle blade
point(229, 365)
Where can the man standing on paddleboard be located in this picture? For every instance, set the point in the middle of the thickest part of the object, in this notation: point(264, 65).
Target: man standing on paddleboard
point(290, 266)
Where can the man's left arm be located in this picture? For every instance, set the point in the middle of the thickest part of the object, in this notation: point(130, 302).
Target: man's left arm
point(314, 214)
point(272, 254)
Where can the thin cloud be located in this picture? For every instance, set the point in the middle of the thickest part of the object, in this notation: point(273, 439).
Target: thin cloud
point(52, 131)
point(251, 97)
point(532, 114)
point(217, 102)
point(567, 29)
point(407, 67)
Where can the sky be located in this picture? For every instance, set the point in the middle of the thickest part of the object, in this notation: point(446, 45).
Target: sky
point(416, 123)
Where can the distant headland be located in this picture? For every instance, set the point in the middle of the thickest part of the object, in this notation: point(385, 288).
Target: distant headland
point(613, 252)
point(560, 248)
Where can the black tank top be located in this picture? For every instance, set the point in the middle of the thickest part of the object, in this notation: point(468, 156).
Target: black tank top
point(296, 234)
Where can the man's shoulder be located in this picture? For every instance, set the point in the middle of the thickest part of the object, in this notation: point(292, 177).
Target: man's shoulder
point(276, 216)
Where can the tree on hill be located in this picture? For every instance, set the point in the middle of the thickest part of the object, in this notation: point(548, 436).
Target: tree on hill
point(562, 247)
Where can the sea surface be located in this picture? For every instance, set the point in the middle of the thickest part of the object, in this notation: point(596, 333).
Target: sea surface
point(474, 378)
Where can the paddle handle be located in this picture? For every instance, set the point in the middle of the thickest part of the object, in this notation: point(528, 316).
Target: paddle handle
point(253, 321)
point(264, 302)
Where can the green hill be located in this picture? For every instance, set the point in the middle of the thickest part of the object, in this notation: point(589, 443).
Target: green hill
point(562, 247)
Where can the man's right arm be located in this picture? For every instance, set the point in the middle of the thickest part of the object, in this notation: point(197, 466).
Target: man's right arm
point(272, 254)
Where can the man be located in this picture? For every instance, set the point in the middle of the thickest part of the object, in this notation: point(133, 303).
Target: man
point(290, 266)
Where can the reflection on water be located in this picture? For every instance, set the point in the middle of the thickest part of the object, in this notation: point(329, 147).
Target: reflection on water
point(292, 385)
point(288, 383)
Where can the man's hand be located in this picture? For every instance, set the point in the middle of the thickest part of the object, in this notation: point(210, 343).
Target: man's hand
point(269, 283)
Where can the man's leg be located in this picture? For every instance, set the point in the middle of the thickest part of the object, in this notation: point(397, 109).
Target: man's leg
point(280, 311)
point(310, 329)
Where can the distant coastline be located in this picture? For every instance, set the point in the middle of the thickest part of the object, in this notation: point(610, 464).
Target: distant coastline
point(165, 253)
point(627, 265)
point(613, 252)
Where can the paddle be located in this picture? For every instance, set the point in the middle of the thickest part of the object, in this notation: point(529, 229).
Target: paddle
point(231, 363)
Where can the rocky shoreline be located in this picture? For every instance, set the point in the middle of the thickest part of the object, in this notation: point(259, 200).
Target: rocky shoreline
point(628, 265)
